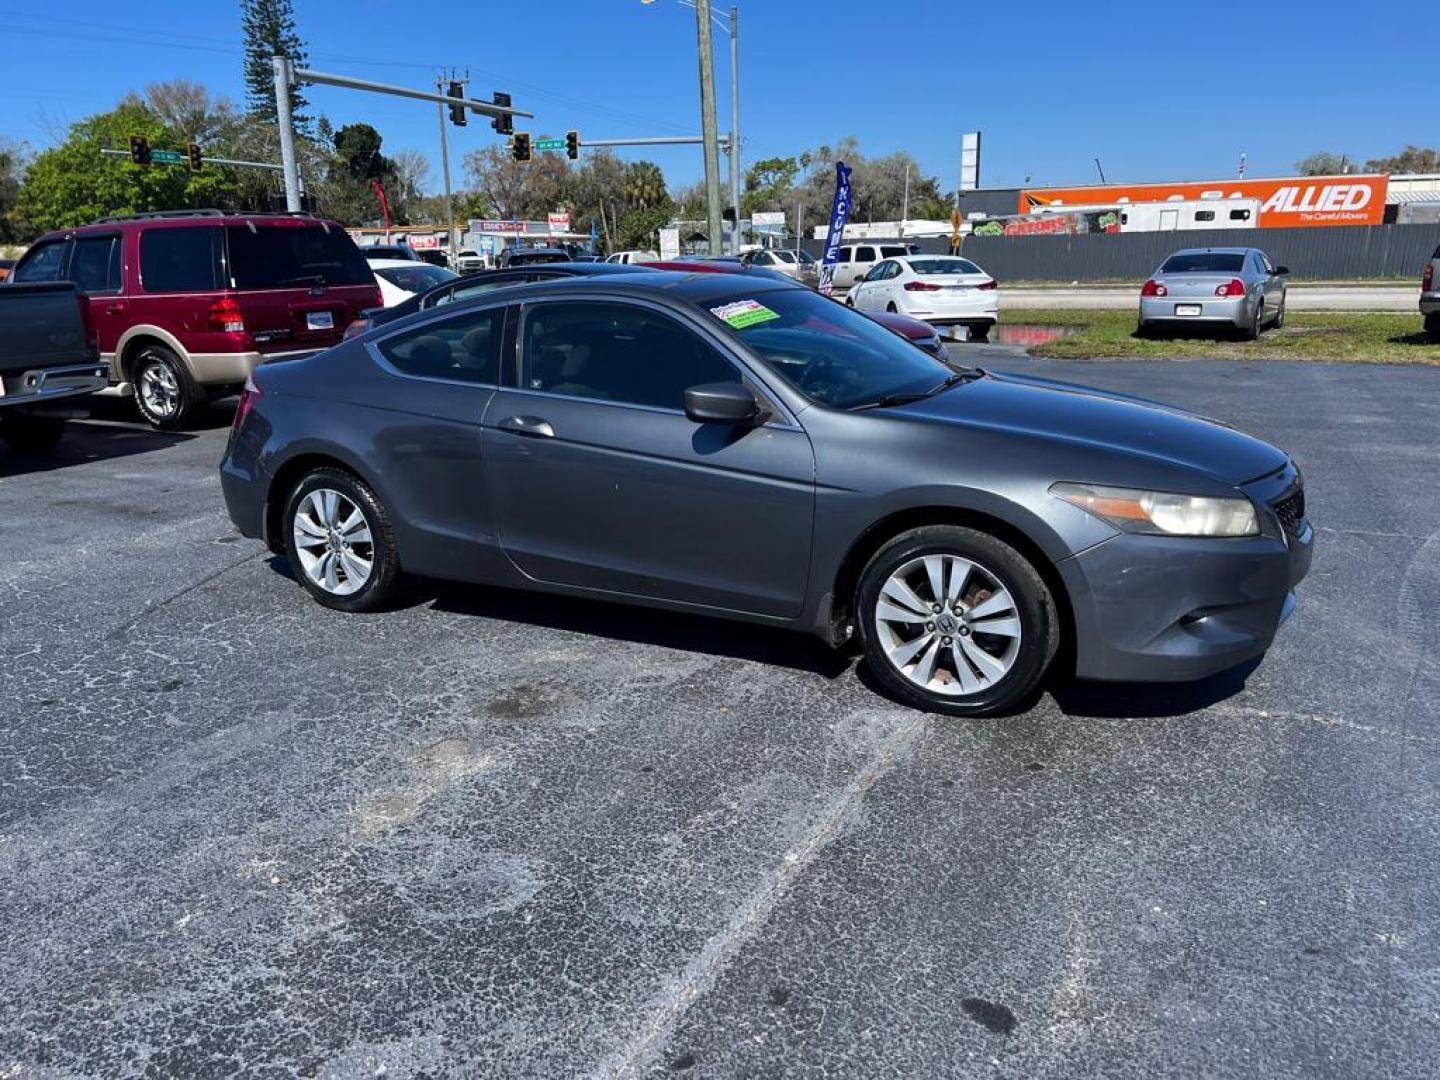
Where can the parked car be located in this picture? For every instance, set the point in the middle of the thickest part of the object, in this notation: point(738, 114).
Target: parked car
point(389, 252)
point(1430, 297)
point(628, 257)
point(469, 261)
point(941, 289)
point(188, 303)
point(48, 361)
point(472, 285)
point(530, 256)
point(400, 279)
point(717, 444)
point(797, 265)
point(1232, 288)
point(912, 330)
point(854, 261)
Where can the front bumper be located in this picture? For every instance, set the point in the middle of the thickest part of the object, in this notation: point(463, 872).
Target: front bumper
point(1158, 309)
point(1172, 609)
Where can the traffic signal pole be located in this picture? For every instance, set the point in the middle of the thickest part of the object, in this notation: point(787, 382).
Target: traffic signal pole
point(445, 166)
point(288, 75)
point(707, 126)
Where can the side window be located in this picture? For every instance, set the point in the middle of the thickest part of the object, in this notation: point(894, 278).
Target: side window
point(1266, 264)
point(764, 258)
point(1204, 215)
point(1240, 215)
point(614, 352)
point(464, 291)
point(895, 270)
point(95, 264)
point(864, 254)
point(180, 260)
point(842, 255)
point(465, 348)
point(878, 272)
point(42, 263)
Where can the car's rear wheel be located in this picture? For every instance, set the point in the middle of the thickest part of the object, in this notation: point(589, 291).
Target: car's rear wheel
point(1432, 328)
point(955, 621)
point(27, 434)
point(165, 392)
point(1257, 324)
point(890, 307)
point(979, 332)
point(339, 542)
point(1279, 322)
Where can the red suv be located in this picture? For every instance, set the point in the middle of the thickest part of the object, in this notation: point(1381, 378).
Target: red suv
point(187, 303)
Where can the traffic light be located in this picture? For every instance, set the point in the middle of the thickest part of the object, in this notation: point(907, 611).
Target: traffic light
point(457, 112)
point(503, 124)
point(728, 214)
point(139, 149)
point(572, 144)
point(520, 146)
point(197, 162)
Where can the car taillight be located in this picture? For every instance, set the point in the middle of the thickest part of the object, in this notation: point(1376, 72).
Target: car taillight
point(87, 320)
point(226, 317)
point(991, 284)
point(1154, 288)
point(355, 327)
point(248, 397)
point(1427, 282)
point(1233, 287)
point(921, 286)
point(377, 299)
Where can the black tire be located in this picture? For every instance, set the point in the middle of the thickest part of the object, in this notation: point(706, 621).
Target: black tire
point(385, 583)
point(1257, 325)
point(890, 307)
point(980, 332)
point(29, 435)
point(177, 397)
point(1432, 328)
point(849, 300)
point(996, 563)
point(1279, 323)
point(1144, 330)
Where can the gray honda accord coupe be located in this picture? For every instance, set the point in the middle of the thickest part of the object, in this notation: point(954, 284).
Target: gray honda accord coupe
point(744, 449)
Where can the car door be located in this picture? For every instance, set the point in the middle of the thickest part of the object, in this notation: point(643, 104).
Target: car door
point(869, 290)
point(600, 481)
point(95, 269)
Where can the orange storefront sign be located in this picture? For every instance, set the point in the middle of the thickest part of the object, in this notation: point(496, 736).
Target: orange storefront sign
point(1284, 203)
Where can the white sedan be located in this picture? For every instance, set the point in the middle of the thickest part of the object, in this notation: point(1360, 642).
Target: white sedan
point(942, 289)
point(400, 279)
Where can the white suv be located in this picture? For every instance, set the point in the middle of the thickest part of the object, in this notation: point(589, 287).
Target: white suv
point(628, 258)
point(855, 260)
point(1430, 297)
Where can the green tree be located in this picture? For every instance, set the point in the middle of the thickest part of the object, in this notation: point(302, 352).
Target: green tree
point(1413, 159)
point(768, 184)
point(12, 169)
point(644, 187)
point(641, 228)
point(72, 184)
point(1323, 163)
point(269, 29)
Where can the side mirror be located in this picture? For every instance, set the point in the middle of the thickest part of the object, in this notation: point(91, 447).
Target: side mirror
point(721, 403)
point(1282, 270)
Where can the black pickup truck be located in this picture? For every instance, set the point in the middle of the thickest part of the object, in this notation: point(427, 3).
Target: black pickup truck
point(49, 358)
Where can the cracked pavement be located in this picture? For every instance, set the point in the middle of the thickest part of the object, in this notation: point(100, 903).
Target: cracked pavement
point(499, 834)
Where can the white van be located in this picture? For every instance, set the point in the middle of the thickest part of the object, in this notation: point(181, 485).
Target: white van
point(855, 260)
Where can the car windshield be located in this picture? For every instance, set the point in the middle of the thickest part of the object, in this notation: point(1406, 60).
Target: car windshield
point(806, 259)
point(830, 353)
point(415, 278)
point(943, 266)
point(276, 255)
point(1204, 262)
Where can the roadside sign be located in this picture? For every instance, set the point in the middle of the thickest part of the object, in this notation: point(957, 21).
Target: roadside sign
point(166, 157)
point(669, 243)
point(549, 144)
point(767, 217)
point(558, 222)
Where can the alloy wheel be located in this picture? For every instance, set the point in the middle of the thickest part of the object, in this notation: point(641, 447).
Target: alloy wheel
point(948, 624)
point(159, 389)
point(333, 540)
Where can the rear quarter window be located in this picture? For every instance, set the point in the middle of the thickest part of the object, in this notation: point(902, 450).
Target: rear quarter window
point(42, 263)
point(288, 256)
point(181, 260)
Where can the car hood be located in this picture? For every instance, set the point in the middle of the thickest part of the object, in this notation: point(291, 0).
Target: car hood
point(1083, 415)
point(903, 325)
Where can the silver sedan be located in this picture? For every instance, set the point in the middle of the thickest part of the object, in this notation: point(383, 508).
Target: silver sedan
point(1224, 287)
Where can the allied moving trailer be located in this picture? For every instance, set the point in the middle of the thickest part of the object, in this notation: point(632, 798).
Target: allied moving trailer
point(1183, 215)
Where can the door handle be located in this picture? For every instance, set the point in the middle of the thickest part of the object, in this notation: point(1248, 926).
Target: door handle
point(528, 425)
point(115, 309)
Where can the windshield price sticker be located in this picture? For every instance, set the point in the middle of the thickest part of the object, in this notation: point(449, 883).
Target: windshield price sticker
point(743, 313)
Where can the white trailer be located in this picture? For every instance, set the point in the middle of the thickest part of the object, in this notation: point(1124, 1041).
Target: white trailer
point(1184, 215)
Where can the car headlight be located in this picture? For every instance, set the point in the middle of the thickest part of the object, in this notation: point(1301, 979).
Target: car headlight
point(1162, 513)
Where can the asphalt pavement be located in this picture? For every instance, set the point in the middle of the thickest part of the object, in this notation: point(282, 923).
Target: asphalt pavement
point(497, 834)
point(1300, 297)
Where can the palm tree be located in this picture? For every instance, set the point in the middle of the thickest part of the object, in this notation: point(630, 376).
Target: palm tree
point(644, 186)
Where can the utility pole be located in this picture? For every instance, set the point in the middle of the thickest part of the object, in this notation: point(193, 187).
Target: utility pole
point(445, 167)
point(707, 126)
point(905, 203)
point(283, 78)
point(735, 126)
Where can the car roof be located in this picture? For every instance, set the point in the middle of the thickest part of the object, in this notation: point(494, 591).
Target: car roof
point(696, 288)
point(393, 264)
point(1212, 251)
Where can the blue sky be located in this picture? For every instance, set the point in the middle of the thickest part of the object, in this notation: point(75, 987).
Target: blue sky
point(1157, 91)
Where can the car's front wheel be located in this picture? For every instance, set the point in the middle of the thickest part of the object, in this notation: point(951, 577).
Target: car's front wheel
point(27, 434)
point(955, 621)
point(339, 542)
